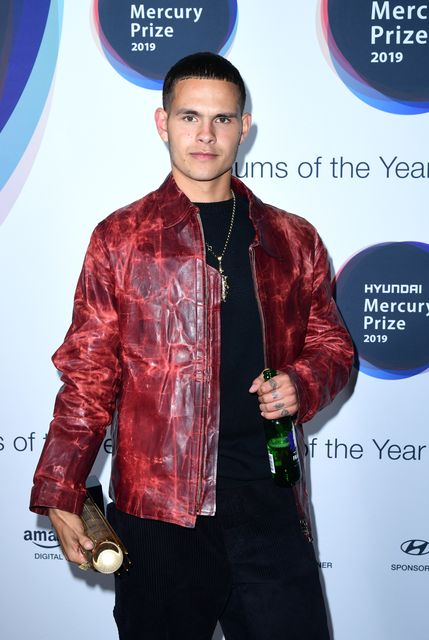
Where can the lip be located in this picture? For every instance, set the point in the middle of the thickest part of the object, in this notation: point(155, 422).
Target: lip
point(201, 155)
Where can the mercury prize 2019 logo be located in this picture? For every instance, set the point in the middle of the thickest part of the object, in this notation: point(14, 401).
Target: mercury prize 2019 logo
point(143, 40)
point(383, 295)
point(380, 50)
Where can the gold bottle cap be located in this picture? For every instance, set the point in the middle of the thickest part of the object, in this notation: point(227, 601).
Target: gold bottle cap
point(108, 557)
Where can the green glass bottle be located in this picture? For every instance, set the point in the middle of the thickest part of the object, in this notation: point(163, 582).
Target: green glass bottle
point(281, 445)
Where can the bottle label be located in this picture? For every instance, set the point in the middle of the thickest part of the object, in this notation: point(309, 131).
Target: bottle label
point(292, 444)
point(272, 465)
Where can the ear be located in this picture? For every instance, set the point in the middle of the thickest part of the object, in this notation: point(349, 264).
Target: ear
point(246, 123)
point(161, 118)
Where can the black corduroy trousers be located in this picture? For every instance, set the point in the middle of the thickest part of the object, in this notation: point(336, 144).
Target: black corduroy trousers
point(249, 567)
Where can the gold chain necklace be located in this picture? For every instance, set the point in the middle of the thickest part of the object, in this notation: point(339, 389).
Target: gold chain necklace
point(224, 278)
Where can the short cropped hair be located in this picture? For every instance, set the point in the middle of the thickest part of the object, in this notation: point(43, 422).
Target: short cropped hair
point(202, 65)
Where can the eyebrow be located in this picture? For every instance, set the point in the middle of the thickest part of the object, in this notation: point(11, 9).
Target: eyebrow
point(193, 112)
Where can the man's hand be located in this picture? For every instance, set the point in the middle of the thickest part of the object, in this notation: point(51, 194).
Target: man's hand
point(277, 397)
point(71, 534)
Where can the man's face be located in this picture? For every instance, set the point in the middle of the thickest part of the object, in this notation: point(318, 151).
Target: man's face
point(203, 128)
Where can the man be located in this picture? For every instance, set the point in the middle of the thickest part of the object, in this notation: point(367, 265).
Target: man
point(184, 297)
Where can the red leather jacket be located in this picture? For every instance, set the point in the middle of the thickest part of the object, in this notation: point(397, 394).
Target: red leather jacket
point(145, 340)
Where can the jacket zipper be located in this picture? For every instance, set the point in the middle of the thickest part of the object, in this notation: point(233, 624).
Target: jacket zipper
point(258, 300)
point(198, 500)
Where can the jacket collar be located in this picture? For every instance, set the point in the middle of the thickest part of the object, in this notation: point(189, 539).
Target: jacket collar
point(271, 232)
point(174, 207)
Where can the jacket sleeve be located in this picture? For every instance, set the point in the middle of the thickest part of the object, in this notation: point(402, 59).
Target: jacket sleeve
point(323, 367)
point(88, 360)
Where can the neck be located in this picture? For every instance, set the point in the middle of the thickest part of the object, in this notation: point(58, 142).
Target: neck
point(205, 190)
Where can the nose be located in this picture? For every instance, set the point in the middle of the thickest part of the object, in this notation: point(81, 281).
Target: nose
point(206, 132)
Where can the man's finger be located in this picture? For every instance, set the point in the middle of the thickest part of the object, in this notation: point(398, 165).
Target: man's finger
point(256, 384)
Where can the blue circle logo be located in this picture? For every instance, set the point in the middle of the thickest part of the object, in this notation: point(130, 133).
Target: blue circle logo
point(143, 40)
point(383, 296)
point(29, 42)
point(380, 50)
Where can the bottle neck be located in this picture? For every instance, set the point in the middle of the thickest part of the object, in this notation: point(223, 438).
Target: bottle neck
point(269, 373)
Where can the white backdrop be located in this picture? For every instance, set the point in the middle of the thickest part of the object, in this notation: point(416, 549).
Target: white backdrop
point(99, 150)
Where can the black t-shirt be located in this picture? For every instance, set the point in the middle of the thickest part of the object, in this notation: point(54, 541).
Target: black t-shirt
point(242, 449)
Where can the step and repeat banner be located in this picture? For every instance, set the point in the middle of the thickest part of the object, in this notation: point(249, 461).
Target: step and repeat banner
point(339, 92)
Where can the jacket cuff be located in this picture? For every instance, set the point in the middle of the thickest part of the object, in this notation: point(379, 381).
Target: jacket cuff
point(56, 497)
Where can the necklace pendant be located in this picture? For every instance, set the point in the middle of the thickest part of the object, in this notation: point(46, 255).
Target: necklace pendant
point(223, 278)
point(224, 286)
